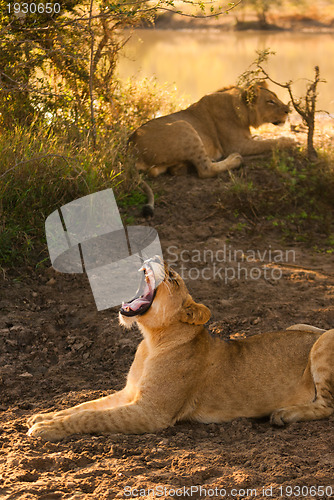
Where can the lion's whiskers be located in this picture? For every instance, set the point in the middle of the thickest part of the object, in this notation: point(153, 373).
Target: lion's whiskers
point(168, 285)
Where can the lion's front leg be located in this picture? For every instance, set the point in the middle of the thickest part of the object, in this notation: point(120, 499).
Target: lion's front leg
point(254, 146)
point(135, 418)
point(107, 402)
point(119, 398)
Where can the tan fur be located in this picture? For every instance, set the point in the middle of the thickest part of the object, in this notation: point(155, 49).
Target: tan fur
point(181, 372)
point(211, 134)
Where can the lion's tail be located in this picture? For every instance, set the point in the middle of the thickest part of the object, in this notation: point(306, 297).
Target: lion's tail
point(148, 209)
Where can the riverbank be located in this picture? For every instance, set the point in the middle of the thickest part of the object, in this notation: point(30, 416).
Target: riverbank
point(239, 21)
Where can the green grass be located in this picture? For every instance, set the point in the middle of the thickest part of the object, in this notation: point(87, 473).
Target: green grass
point(44, 167)
point(286, 193)
point(39, 173)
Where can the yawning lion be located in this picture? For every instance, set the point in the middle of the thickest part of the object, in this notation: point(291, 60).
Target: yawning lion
point(181, 372)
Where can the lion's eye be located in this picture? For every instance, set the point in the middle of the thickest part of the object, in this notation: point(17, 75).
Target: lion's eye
point(271, 102)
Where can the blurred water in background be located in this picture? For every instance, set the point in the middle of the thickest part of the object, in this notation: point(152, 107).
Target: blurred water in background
point(201, 61)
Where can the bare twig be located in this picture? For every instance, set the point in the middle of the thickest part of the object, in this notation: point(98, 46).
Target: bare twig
point(305, 107)
point(91, 75)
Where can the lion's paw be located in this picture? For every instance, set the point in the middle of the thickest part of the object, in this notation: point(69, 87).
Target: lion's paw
point(287, 142)
point(39, 417)
point(284, 416)
point(48, 430)
point(235, 160)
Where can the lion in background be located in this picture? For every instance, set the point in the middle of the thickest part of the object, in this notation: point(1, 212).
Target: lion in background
point(212, 134)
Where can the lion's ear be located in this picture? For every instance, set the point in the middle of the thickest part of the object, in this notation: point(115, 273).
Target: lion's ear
point(250, 95)
point(262, 83)
point(195, 314)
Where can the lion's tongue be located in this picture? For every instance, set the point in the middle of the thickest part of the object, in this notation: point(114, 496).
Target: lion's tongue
point(146, 297)
point(137, 303)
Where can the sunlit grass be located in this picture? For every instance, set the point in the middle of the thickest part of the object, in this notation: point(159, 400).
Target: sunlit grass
point(39, 172)
point(286, 193)
point(43, 167)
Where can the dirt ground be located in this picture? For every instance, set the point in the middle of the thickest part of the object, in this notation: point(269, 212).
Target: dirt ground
point(56, 350)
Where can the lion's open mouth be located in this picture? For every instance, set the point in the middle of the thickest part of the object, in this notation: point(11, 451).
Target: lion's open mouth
point(144, 296)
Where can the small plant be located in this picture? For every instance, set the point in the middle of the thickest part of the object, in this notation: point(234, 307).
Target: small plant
point(287, 194)
point(239, 227)
point(305, 106)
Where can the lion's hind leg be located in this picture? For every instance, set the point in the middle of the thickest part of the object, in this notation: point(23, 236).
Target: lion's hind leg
point(207, 168)
point(306, 328)
point(320, 371)
point(234, 160)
